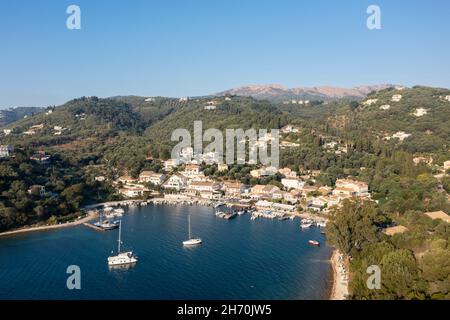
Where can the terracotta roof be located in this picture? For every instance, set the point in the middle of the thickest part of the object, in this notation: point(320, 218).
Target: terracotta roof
point(439, 215)
point(395, 230)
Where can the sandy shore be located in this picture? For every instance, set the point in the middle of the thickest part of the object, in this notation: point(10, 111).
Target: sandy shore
point(339, 290)
point(91, 215)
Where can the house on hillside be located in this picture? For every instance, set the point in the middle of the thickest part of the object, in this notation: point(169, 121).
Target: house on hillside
point(438, 215)
point(396, 97)
point(6, 150)
point(191, 170)
point(260, 191)
point(176, 181)
point(41, 157)
point(151, 177)
point(170, 164)
point(233, 188)
point(38, 190)
point(133, 191)
point(292, 183)
point(350, 187)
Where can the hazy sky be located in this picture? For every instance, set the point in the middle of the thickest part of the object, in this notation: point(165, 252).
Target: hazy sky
point(195, 47)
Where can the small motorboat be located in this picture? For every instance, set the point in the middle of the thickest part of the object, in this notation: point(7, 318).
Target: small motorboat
point(314, 243)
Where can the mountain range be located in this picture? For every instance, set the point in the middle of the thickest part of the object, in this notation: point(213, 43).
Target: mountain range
point(276, 92)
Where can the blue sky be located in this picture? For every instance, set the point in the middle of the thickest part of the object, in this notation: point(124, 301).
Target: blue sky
point(195, 47)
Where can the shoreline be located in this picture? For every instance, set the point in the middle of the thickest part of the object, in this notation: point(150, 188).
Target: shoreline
point(339, 289)
point(91, 215)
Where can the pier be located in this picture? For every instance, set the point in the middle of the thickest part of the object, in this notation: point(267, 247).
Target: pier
point(90, 225)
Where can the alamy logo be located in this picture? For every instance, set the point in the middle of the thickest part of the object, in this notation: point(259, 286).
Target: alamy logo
point(74, 280)
point(73, 22)
point(374, 20)
point(374, 281)
point(238, 139)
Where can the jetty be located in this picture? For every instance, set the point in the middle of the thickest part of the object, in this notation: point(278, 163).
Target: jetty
point(92, 226)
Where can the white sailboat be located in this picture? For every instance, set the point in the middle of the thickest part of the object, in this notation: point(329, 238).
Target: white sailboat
point(122, 258)
point(191, 241)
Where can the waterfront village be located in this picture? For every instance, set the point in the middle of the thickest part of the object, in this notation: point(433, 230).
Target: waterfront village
point(184, 181)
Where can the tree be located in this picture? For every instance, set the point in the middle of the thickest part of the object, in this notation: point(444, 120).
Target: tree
point(353, 226)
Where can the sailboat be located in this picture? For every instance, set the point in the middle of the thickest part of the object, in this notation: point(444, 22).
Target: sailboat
point(191, 241)
point(121, 258)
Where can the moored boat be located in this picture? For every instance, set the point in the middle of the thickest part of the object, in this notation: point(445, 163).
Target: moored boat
point(191, 241)
point(122, 258)
point(314, 243)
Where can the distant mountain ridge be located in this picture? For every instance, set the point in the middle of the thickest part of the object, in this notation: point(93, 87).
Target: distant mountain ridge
point(276, 92)
point(13, 114)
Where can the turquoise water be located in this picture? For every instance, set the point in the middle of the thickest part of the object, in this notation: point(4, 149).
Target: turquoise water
point(239, 259)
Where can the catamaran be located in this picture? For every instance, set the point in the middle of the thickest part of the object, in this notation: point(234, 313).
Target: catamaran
point(191, 241)
point(121, 258)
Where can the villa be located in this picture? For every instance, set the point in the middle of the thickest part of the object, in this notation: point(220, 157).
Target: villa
point(289, 129)
point(221, 167)
point(447, 165)
point(127, 180)
point(292, 183)
point(204, 186)
point(40, 190)
point(348, 187)
point(152, 177)
point(260, 191)
point(396, 97)
point(6, 150)
point(264, 172)
point(191, 170)
point(170, 164)
point(40, 157)
point(176, 181)
point(233, 188)
point(133, 191)
point(287, 172)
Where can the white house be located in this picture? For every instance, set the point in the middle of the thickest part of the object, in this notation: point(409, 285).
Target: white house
point(447, 165)
point(351, 188)
point(204, 186)
point(152, 177)
point(292, 183)
point(40, 190)
point(176, 181)
point(419, 112)
point(260, 191)
point(7, 131)
point(221, 167)
point(287, 172)
point(396, 97)
point(133, 191)
point(191, 170)
point(264, 172)
point(370, 102)
point(6, 150)
point(400, 135)
point(289, 129)
point(171, 163)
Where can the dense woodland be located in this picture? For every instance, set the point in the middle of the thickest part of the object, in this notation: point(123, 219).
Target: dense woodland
point(128, 134)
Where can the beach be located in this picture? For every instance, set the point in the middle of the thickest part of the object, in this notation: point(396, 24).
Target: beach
point(91, 215)
point(339, 289)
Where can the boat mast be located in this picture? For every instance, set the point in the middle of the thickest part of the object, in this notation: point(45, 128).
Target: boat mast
point(120, 231)
point(189, 219)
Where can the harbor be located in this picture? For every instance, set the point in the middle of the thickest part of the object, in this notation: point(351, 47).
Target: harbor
point(155, 233)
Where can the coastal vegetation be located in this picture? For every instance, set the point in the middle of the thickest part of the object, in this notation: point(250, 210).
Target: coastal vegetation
point(364, 139)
